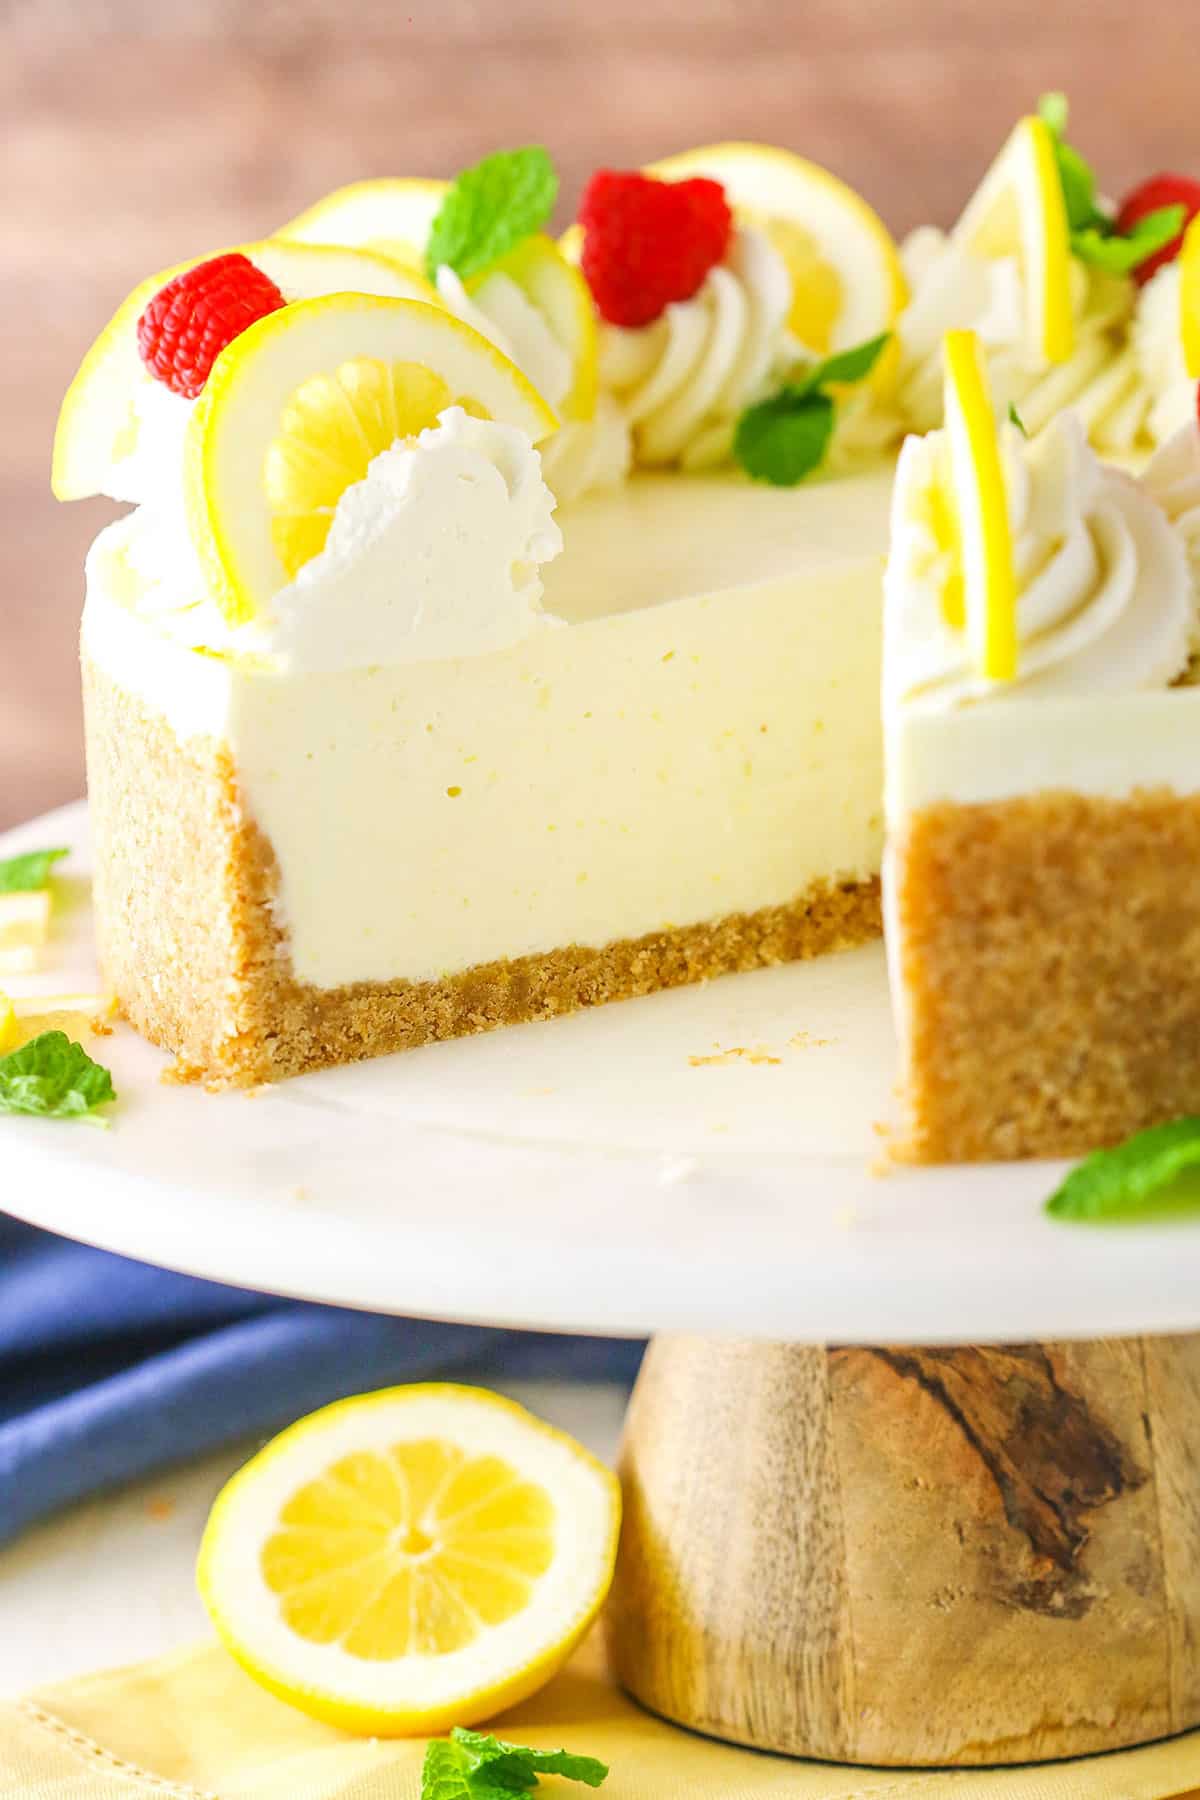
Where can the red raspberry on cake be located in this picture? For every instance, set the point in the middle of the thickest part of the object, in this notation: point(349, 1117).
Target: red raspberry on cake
point(1148, 197)
point(189, 321)
point(647, 242)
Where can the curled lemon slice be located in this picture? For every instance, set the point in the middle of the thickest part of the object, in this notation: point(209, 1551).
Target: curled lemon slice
point(1018, 210)
point(96, 420)
point(296, 407)
point(1189, 298)
point(980, 503)
point(410, 1560)
point(395, 216)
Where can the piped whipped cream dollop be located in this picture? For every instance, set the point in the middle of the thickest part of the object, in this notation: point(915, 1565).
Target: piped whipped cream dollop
point(1172, 478)
point(1158, 348)
point(1105, 601)
point(683, 380)
point(435, 554)
point(953, 287)
point(583, 455)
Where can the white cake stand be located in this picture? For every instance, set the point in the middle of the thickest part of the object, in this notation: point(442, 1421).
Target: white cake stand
point(818, 1539)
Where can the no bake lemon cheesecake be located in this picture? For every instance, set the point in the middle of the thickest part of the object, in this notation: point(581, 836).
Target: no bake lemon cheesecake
point(497, 627)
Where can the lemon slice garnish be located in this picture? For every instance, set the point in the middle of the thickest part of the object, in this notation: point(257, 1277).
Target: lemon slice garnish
point(989, 583)
point(95, 419)
point(296, 407)
point(1018, 210)
point(396, 216)
point(410, 1560)
point(847, 281)
point(8, 1024)
point(1189, 298)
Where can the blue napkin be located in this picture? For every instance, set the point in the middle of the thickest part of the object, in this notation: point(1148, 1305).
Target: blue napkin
point(110, 1368)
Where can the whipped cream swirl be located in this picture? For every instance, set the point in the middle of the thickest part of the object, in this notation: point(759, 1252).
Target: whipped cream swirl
point(953, 287)
point(1158, 350)
point(583, 454)
point(683, 380)
point(1105, 601)
point(434, 554)
point(1172, 478)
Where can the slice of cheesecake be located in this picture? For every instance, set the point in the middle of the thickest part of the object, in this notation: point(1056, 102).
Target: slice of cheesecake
point(1042, 874)
point(680, 779)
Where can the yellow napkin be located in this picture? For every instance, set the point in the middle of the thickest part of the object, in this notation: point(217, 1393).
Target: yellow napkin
point(193, 1727)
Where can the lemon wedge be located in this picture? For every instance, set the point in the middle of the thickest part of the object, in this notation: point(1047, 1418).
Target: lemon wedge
point(80, 1015)
point(410, 1560)
point(96, 418)
point(1018, 210)
point(1189, 298)
point(847, 281)
point(396, 216)
point(297, 406)
point(24, 928)
point(8, 1025)
point(980, 506)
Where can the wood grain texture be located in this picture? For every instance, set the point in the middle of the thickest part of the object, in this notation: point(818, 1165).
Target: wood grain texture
point(907, 1556)
point(136, 132)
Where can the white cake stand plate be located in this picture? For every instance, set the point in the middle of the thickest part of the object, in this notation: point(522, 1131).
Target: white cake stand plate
point(706, 1160)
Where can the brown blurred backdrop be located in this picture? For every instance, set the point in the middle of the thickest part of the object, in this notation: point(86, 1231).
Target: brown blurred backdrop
point(137, 132)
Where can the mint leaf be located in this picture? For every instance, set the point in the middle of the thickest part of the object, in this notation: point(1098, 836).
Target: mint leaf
point(1130, 1179)
point(1108, 250)
point(1014, 418)
point(1054, 110)
point(472, 1765)
point(52, 1078)
point(22, 874)
point(1075, 175)
point(783, 439)
point(516, 1766)
point(845, 365)
point(490, 208)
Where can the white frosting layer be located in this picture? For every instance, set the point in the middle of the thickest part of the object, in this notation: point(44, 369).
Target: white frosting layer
point(952, 288)
point(703, 739)
point(1105, 602)
point(683, 380)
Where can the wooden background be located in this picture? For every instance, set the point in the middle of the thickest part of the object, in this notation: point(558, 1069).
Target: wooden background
point(137, 132)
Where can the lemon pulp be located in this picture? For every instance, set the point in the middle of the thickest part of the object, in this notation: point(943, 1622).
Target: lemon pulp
point(412, 1551)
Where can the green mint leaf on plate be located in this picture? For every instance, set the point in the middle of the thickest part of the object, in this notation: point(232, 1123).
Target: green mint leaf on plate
point(52, 1078)
point(845, 366)
point(471, 1765)
point(1014, 418)
point(1142, 1175)
point(1119, 255)
point(22, 874)
point(783, 439)
point(490, 209)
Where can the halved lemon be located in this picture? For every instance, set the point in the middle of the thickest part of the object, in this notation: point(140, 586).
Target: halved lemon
point(847, 281)
point(1189, 298)
point(1018, 210)
point(396, 216)
point(95, 421)
point(980, 502)
point(296, 407)
point(410, 1560)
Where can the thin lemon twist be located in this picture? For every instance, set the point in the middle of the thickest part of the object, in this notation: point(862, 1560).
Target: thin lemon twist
point(989, 581)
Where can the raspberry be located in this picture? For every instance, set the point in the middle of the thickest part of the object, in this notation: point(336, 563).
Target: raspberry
point(1160, 190)
point(649, 242)
point(189, 321)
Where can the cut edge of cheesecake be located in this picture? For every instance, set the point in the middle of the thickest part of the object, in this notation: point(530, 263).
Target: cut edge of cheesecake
point(191, 947)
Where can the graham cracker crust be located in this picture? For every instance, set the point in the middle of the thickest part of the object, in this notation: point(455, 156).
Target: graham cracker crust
point(184, 890)
point(1049, 948)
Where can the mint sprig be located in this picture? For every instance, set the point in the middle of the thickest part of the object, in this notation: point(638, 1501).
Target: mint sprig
point(52, 1078)
point(471, 1765)
point(23, 874)
point(785, 437)
point(1095, 238)
point(1014, 418)
point(490, 208)
point(1135, 1178)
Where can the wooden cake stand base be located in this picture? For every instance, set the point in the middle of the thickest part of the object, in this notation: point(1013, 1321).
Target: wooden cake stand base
point(914, 1556)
